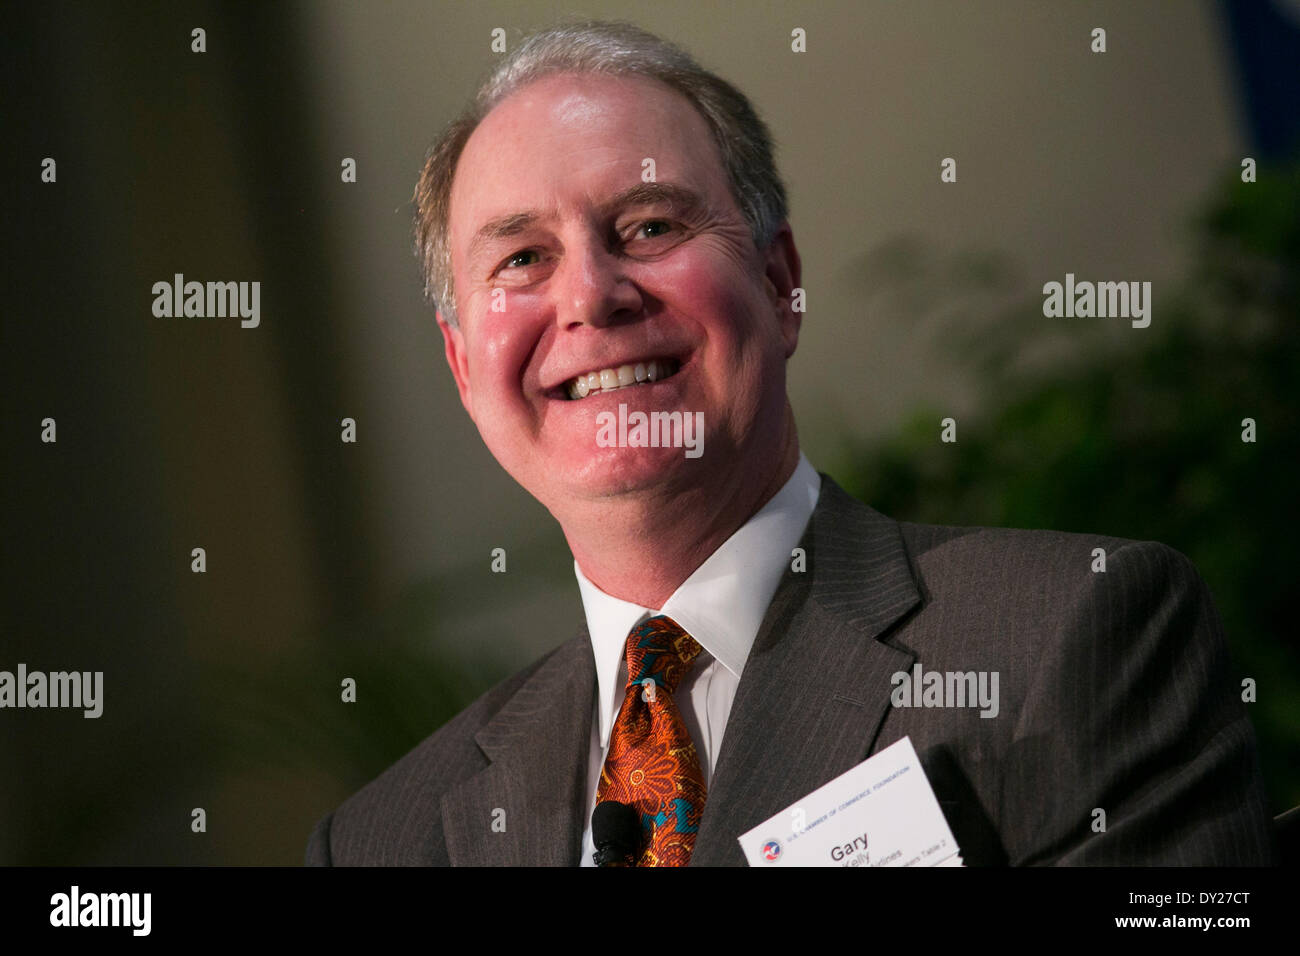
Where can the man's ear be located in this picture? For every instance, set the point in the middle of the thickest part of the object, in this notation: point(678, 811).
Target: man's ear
point(458, 360)
point(783, 273)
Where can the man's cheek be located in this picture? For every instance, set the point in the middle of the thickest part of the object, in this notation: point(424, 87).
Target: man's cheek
point(495, 370)
point(732, 309)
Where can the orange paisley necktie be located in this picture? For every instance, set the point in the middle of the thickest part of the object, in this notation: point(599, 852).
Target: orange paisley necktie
point(651, 764)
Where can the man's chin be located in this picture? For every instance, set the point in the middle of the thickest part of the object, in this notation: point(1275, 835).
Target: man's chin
point(611, 472)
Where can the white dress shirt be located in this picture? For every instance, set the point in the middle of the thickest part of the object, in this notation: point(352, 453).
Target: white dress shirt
point(721, 605)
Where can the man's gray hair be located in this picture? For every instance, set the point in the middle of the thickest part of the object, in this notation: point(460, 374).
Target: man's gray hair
point(616, 48)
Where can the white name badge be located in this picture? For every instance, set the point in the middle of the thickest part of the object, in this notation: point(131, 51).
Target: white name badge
point(881, 813)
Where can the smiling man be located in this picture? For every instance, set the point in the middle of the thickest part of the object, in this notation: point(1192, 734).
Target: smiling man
point(570, 272)
point(604, 232)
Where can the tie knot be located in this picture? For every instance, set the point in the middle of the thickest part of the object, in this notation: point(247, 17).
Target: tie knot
point(659, 650)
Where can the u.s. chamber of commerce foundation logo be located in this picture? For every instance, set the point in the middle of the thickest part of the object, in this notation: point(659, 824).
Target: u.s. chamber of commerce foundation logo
point(771, 851)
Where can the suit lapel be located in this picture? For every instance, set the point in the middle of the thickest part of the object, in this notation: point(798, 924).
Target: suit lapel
point(816, 686)
point(538, 745)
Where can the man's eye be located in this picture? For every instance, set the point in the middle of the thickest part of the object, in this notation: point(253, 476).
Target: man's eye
point(649, 223)
point(657, 228)
point(511, 262)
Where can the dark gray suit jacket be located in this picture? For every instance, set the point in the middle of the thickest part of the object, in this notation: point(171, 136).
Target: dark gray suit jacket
point(1114, 694)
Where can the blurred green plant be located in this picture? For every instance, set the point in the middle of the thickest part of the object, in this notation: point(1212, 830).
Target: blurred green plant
point(1139, 435)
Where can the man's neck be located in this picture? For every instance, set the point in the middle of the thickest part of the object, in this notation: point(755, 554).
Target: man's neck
point(643, 549)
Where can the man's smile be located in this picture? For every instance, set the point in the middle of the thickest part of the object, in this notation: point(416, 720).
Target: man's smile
point(622, 376)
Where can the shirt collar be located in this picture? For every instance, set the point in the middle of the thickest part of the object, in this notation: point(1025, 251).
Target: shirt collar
point(723, 603)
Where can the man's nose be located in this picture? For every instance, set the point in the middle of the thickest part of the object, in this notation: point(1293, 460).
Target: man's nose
point(592, 287)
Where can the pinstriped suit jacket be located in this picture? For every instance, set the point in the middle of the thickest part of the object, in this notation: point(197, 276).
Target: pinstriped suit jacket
point(1114, 694)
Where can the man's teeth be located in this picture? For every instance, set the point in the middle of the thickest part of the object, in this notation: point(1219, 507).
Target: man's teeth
point(608, 379)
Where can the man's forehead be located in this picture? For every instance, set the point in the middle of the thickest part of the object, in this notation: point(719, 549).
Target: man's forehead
point(579, 139)
point(590, 101)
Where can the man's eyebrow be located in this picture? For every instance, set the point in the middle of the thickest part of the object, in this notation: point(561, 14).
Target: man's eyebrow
point(679, 199)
